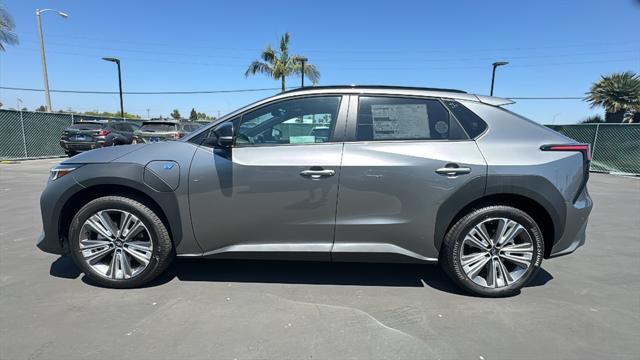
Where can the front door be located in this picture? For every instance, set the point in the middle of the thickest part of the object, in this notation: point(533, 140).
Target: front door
point(276, 189)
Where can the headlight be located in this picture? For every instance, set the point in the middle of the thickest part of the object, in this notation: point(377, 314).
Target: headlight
point(63, 169)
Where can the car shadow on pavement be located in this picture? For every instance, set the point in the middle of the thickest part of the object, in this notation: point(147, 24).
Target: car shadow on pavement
point(297, 272)
point(65, 268)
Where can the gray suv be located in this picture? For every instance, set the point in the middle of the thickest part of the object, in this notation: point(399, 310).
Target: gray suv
point(400, 175)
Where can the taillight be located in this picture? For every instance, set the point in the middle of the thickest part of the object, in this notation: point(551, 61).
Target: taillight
point(585, 149)
point(103, 133)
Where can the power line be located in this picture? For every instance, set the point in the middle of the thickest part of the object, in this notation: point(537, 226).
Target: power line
point(173, 46)
point(349, 68)
point(236, 91)
point(547, 98)
point(141, 92)
point(120, 49)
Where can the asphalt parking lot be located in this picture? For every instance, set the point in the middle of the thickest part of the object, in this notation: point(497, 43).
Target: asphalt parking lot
point(583, 306)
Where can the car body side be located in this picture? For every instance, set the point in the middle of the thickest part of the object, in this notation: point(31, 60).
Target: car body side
point(508, 168)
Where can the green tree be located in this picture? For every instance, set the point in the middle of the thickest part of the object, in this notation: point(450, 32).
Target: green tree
point(108, 114)
point(7, 27)
point(278, 64)
point(618, 93)
point(41, 108)
point(175, 114)
point(193, 116)
point(593, 119)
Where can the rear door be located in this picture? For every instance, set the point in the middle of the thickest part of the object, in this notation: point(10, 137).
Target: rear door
point(403, 158)
point(276, 189)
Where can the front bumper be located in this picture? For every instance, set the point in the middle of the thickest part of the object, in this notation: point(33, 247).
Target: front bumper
point(54, 196)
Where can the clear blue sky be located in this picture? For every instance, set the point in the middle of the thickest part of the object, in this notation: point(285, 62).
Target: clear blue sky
point(556, 48)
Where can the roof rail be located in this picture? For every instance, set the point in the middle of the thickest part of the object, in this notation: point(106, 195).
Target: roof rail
point(373, 87)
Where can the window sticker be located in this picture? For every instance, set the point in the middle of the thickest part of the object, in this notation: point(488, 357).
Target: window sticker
point(402, 121)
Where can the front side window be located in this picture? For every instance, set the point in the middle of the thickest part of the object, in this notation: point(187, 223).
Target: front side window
point(391, 118)
point(297, 121)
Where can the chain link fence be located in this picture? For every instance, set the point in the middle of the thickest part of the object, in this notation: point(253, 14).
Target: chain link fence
point(615, 148)
point(28, 134)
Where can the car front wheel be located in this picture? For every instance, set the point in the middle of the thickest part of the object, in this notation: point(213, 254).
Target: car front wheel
point(119, 242)
point(493, 251)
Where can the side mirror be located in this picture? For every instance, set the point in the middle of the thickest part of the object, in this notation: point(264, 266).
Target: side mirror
point(224, 135)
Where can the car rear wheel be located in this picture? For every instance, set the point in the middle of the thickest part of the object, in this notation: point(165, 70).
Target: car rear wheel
point(119, 242)
point(493, 251)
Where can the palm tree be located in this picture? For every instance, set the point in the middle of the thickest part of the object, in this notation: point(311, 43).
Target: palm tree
point(7, 36)
point(278, 64)
point(618, 93)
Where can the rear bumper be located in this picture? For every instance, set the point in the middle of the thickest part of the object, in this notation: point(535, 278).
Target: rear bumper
point(81, 146)
point(147, 140)
point(574, 234)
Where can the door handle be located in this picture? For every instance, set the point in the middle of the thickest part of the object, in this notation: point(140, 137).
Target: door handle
point(317, 174)
point(453, 170)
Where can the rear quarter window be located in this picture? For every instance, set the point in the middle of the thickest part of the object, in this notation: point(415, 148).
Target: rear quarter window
point(472, 123)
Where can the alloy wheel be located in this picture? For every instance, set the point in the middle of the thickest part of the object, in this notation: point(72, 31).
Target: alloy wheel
point(115, 244)
point(496, 252)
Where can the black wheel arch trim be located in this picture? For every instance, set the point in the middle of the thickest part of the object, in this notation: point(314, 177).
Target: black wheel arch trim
point(131, 176)
point(532, 187)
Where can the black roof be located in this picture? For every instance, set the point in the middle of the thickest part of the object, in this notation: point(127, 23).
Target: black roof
point(374, 87)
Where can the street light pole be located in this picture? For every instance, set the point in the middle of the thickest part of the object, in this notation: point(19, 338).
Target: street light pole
point(302, 61)
point(493, 76)
point(117, 61)
point(42, 56)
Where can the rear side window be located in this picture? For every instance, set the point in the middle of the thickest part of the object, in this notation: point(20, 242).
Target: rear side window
point(471, 122)
point(391, 118)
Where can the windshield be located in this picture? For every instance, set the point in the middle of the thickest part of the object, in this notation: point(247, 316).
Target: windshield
point(158, 127)
point(191, 127)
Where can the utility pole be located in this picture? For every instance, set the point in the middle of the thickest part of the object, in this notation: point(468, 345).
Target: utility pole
point(47, 97)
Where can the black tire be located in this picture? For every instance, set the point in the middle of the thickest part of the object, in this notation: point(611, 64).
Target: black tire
point(161, 255)
point(451, 248)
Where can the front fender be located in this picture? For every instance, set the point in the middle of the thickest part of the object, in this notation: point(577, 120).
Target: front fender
point(131, 175)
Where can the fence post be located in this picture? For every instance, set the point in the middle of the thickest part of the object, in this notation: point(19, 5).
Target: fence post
point(24, 138)
point(71, 118)
point(593, 149)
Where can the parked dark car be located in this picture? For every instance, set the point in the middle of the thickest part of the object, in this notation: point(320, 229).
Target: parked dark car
point(88, 135)
point(156, 131)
